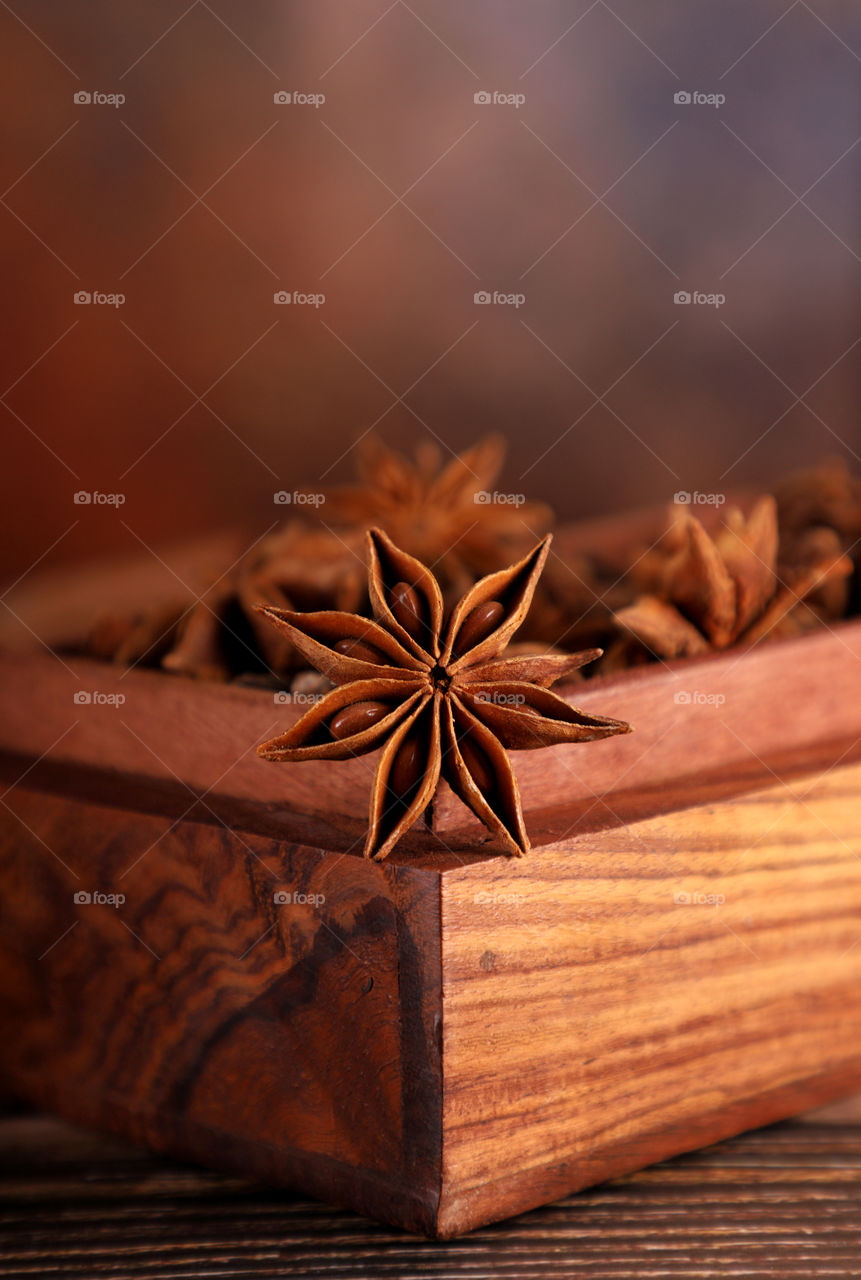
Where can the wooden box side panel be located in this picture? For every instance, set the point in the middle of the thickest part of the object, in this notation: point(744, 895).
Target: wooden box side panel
point(699, 725)
point(291, 1038)
point(696, 723)
point(647, 990)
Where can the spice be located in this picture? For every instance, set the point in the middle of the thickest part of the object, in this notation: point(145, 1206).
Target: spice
point(713, 590)
point(433, 692)
point(446, 513)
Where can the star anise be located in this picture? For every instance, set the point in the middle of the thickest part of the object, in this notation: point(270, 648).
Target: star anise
point(726, 588)
point(298, 565)
point(434, 693)
point(444, 512)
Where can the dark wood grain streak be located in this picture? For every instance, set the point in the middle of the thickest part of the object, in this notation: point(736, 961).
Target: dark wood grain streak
point(295, 1041)
point(784, 1201)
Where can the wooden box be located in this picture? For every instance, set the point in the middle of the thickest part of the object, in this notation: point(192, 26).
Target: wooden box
point(194, 954)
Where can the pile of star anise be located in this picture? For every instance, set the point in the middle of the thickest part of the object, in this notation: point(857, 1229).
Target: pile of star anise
point(396, 611)
point(712, 577)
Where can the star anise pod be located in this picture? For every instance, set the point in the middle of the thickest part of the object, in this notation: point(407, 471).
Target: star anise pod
point(433, 692)
point(297, 566)
point(434, 509)
point(445, 513)
point(722, 589)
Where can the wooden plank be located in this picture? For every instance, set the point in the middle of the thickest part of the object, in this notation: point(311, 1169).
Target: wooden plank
point(775, 1203)
point(598, 1015)
point(292, 1039)
point(181, 736)
point(589, 1022)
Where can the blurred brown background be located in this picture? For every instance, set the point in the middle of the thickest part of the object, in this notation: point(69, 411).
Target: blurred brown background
point(597, 197)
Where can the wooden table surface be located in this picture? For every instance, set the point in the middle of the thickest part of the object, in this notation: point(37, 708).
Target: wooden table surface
point(782, 1201)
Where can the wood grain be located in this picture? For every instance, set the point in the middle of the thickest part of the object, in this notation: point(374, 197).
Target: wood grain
point(778, 1202)
point(596, 1016)
point(295, 1041)
point(450, 1037)
point(172, 740)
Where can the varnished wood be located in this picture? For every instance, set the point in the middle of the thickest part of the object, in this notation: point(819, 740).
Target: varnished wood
point(600, 1022)
point(295, 1042)
point(778, 1202)
point(451, 1036)
point(178, 738)
point(558, 1019)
